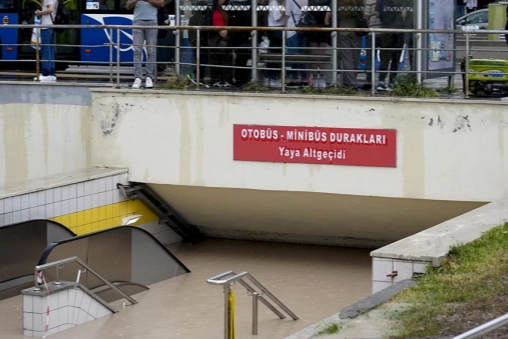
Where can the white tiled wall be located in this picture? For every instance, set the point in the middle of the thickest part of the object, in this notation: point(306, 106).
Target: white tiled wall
point(67, 308)
point(62, 200)
point(384, 268)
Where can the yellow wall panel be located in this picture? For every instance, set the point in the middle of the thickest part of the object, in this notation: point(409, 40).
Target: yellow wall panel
point(103, 217)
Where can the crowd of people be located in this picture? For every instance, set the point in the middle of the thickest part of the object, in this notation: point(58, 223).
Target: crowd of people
point(223, 49)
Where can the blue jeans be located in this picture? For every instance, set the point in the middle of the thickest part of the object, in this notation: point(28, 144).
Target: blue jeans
point(293, 45)
point(47, 52)
point(141, 36)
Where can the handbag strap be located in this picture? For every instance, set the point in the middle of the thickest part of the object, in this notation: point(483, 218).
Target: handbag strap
point(292, 15)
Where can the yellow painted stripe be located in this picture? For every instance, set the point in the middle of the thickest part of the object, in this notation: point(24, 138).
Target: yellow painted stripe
point(99, 218)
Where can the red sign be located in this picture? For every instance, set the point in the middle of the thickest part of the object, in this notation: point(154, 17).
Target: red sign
point(315, 145)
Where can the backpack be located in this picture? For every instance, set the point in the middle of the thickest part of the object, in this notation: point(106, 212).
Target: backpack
point(162, 20)
point(62, 16)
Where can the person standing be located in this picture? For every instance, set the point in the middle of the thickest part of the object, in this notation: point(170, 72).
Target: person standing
point(145, 15)
point(47, 15)
point(349, 43)
point(220, 54)
point(394, 14)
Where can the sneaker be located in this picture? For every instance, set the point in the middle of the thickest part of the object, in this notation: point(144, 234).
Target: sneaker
point(313, 82)
point(136, 84)
point(275, 83)
point(391, 87)
point(45, 78)
point(226, 84)
point(381, 86)
point(217, 84)
point(53, 78)
point(192, 78)
point(322, 82)
point(148, 82)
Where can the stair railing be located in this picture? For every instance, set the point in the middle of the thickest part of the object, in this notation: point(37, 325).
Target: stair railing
point(58, 265)
point(228, 278)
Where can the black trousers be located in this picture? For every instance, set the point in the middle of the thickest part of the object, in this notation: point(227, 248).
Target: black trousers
point(224, 58)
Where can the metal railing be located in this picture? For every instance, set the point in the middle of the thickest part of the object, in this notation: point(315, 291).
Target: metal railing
point(59, 265)
point(485, 328)
point(417, 50)
point(228, 278)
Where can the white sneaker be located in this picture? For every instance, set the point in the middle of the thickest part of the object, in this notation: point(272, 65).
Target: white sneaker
point(314, 81)
point(45, 78)
point(322, 83)
point(226, 84)
point(136, 84)
point(275, 83)
point(53, 78)
point(148, 82)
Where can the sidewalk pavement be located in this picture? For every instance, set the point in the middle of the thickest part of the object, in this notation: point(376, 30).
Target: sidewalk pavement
point(369, 318)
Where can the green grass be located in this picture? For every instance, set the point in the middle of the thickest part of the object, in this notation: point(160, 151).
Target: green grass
point(469, 279)
point(330, 329)
point(255, 86)
point(408, 86)
point(175, 83)
point(448, 90)
point(329, 91)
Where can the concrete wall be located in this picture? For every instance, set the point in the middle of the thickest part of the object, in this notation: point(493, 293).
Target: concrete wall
point(44, 130)
point(446, 150)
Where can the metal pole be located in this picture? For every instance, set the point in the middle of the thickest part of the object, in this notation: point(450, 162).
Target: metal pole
point(117, 58)
point(198, 56)
point(226, 311)
point(57, 282)
point(373, 65)
point(283, 70)
point(255, 297)
point(254, 40)
point(484, 329)
point(334, 43)
point(111, 55)
point(177, 40)
point(466, 69)
point(37, 56)
point(419, 42)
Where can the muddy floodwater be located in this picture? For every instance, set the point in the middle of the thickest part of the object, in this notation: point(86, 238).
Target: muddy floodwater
point(313, 281)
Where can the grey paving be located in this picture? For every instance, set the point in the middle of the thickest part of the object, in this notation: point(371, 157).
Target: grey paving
point(369, 318)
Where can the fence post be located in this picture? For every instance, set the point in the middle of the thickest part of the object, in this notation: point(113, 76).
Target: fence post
point(334, 43)
point(283, 70)
point(373, 64)
point(118, 58)
point(198, 56)
point(254, 37)
point(111, 55)
point(466, 69)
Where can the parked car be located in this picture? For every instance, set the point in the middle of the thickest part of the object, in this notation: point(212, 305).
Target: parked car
point(474, 21)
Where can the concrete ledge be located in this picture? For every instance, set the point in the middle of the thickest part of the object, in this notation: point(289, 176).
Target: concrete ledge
point(375, 299)
point(433, 244)
point(347, 315)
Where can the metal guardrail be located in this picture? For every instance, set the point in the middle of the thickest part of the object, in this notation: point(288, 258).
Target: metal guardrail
point(58, 264)
point(228, 278)
point(255, 68)
point(484, 329)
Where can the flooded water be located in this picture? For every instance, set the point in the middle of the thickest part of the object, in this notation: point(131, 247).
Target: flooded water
point(313, 281)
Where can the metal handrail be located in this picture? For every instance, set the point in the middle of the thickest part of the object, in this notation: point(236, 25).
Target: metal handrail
point(233, 277)
point(58, 263)
point(484, 329)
